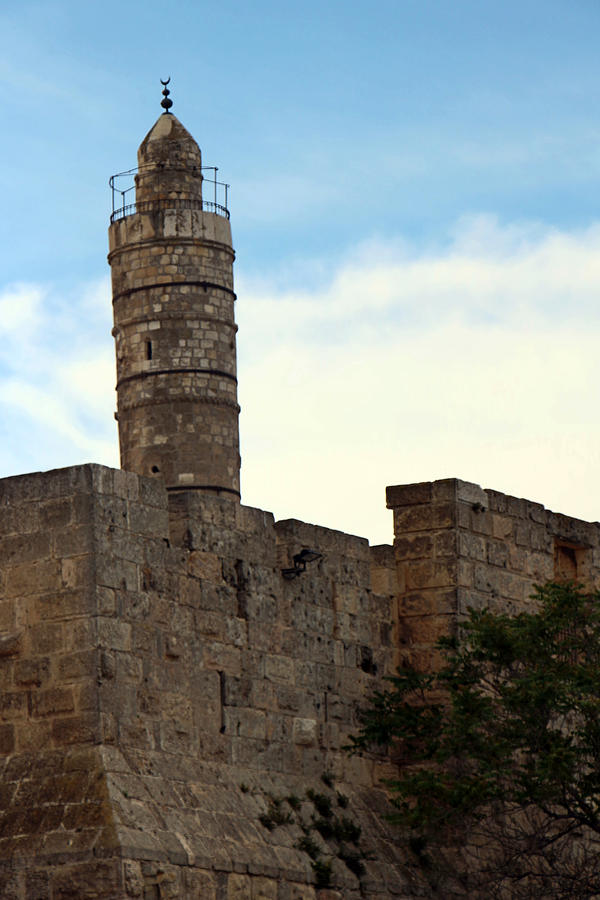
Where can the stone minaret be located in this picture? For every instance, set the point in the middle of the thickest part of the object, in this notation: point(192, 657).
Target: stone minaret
point(171, 259)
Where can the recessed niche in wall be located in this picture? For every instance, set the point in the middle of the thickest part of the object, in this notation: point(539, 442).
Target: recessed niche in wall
point(571, 562)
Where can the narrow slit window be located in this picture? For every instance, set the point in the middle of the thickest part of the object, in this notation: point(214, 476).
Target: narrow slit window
point(148, 349)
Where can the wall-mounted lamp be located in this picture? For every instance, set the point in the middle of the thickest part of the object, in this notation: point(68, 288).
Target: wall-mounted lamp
point(300, 560)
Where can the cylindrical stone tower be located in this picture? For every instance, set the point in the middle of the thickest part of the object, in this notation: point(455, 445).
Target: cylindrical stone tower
point(171, 259)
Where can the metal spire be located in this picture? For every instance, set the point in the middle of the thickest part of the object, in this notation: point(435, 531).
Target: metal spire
point(166, 103)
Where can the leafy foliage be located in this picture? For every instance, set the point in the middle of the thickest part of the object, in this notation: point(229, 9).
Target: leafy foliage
point(509, 726)
point(321, 802)
point(322, 870)
point(276, 815)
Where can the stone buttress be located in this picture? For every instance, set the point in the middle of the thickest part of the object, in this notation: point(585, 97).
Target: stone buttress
point(171, 259)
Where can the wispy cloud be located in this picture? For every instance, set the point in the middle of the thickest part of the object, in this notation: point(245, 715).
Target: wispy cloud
point(56, 377)
point(477, 360)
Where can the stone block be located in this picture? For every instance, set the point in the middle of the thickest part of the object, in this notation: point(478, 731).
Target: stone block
point(56, 513)
point(72, 541)
point(236, 631)
point(222, 657)
point(414, 547)
point(517, 588)
point(408, 494)
point(539, 567)
point(113, 634)
point(80, 729)
point(60, 605)
point(200, 885)
point(301, 892)
point(52, 702)
point(245, 723)
point(239, 887)
point(471, 546)
point(81, 664)
point(497, 501)
point(427, 603)
point(423, 518)
point(468, 492)
point(133, 881)
point(137, 733)
point(13, 704)
point(235, 689)
point(483, 578)
point(517, 558)
point(279, 668)
point(37, 885)
point(11, 644)
point(469, 598)
point(32, 736)
point(104, 877)
point(430, 574)
point(36, 577)
point(130, 485)
point(502, 526)
point(445, 489)
point(45, 637)
point(76, 572)
point(522, 534)
point(148, 520)
point(32, 672)
point(80, 632)
point(540, 539)
point(480, 520)
point(426, 629)
point(207, 566)
point(106, 601)
point(537, 513)
point(22, 548)
point(173, 646)
point(445, 543)
point(305, 732)
point(263, 695)
point(19, 519)
point(264, 889)
point(7, 739)
point(384, 580)
point(497, 553)
point(112, 572)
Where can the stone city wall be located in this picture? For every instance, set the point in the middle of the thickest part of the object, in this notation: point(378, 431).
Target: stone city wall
point(459, 546)
point(173, 709)
point(165, 688)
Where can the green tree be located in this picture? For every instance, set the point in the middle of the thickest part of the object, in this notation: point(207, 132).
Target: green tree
point(498, 752)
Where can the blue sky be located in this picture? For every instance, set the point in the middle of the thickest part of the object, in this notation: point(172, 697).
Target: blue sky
point(414, 201)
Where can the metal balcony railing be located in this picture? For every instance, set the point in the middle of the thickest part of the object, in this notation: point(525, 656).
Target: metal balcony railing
point(217, 205)
point(149, 205)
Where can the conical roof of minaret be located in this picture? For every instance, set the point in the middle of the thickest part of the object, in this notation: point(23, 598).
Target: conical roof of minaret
point(169, 143)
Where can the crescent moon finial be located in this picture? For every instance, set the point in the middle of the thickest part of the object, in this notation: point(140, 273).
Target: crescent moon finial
point(166, 103)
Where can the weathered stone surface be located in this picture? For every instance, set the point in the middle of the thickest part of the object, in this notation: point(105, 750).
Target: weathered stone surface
point(203, 669)
point(490, 550)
